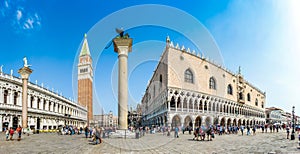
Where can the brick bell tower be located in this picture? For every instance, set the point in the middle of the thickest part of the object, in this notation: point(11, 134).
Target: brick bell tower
point(85, 79)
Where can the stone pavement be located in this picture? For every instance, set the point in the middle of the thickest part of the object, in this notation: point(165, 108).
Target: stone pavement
point(151, 143)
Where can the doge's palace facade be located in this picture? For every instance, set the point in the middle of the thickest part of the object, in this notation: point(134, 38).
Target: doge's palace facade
point(187, 89)
point(46, 109)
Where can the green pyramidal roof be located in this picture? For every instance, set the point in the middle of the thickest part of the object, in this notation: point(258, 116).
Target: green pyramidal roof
point(85, 47)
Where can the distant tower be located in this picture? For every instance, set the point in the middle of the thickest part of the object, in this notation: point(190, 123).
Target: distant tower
point(85, 79)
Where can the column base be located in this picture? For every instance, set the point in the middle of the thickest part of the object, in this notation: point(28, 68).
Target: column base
point(122, 133)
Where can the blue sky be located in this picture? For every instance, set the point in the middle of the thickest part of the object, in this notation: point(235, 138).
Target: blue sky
point(260, 36)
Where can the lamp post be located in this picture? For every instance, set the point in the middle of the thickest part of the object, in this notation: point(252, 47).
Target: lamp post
point(293, 121)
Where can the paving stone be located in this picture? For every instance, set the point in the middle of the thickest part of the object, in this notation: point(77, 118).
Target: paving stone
point(150, 144)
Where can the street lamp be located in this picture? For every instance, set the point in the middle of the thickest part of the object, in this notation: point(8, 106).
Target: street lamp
point(293, 131)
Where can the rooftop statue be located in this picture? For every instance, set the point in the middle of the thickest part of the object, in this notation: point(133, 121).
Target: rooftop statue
point(25, 62)
point(120, 31)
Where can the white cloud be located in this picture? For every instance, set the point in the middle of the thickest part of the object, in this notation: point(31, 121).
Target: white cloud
point(29, 23)
point(19, 14)
point(22, 19)
point(6, 4)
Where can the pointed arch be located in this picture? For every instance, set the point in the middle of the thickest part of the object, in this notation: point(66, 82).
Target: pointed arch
point(229, 89)
point(188, 76)
point(172, 102)
point(248, 97)
point(185, 102)
point(212, 83)
point(191, 104)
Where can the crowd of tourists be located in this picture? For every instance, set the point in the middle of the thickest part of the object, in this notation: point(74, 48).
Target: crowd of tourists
point(95, 133)
point(202, 133)
point(9, 133)
point(69, 130)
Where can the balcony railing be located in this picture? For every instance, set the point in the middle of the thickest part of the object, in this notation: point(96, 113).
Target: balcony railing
point(180, 110)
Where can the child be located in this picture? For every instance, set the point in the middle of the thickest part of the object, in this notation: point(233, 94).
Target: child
point(7, 134)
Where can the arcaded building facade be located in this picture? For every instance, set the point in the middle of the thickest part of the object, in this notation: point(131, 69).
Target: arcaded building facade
point(188, 90)
point(46, 109)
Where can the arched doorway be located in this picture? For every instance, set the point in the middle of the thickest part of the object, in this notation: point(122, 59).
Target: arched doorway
point(247, 122)
point(188, 122)
point(38, 123)
point(234, 122)
point(15, 122)
point(179, 103)
point(229, 122)
point(239, 122)
point(244, 122)
point(172, 102)
point(176, 121)
point(223, 121)
point(5, 125)
point(198, 121)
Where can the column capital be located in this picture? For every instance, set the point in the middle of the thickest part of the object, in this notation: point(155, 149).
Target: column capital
point(25, 72)
point(125, 43)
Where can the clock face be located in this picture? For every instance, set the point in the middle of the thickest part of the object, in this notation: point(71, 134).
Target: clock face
point(83, 70)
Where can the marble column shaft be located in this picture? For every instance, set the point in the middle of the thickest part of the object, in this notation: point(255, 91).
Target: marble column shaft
point(122, 46)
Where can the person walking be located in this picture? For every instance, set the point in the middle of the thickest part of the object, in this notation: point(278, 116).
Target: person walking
point(7, 134)
point(287, 132)
point(254, 130)
point(242, 130)
point(97, 135)
point(248, 130)
point(176, 132)
point(86, 132)
point(266, 128)
point(11, 133)
point(220, 130)
point(209, 133)
point(19, 130)
point(168, 131)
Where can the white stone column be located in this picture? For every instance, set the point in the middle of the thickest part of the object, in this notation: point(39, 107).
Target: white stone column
point(194, 106)
point(1, 95)
point(176, 104)
point(20, 120)
point(10, 97)
point(42, 103)
point(203, 102)
point(122, 46)
point(19, 99)
point(203, 120)
point(34, 105)
point(35, 123)
point(193, 125)
point(181, 102)
point(10, 121)
point(1, 122)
